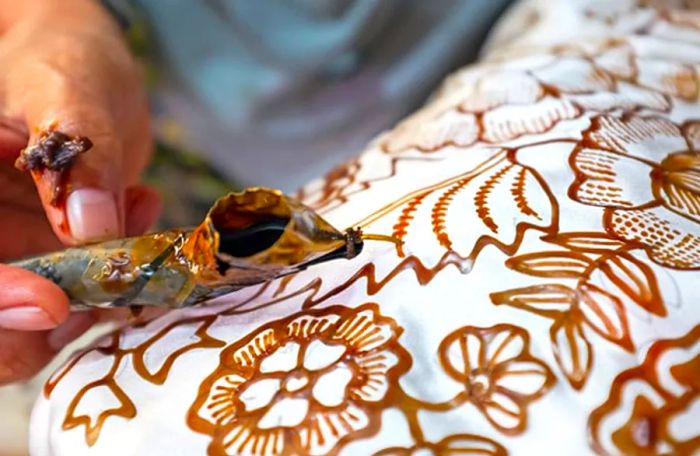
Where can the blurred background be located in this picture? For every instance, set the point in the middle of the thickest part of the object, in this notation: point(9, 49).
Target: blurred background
point(278, 92)
point(273, 93)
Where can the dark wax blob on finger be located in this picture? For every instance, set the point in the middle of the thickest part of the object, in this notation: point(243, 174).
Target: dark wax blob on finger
point(55, 152)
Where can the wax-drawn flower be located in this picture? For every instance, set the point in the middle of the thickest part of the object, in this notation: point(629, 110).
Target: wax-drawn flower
point(499, 375)
point(648, 412)
point(508, 100)
point(645, 172)
point(302, 385)
point(500, 106)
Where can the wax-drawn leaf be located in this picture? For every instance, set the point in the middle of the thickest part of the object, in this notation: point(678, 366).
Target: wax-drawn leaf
point(493, 202)
point(114, 401)
point(571, 349)
point(636, 280)
point(549, 300)
point(152, 361)
point(471, 444)
point(551, 264)
point(588, 242)
point(605, 314)
point(483, 197)
point(513, 121)
point(429, 131)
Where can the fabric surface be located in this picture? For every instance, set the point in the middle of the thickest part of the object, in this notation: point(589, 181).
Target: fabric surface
point(544, 300)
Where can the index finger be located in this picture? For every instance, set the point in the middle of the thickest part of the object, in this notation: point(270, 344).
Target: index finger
point(77, 154)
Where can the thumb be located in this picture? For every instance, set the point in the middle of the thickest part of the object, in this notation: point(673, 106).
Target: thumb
point(34, 323)
point(29, 302)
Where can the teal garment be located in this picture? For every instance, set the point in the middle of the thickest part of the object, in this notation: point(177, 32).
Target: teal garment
point(234, 55)
point(276, 92)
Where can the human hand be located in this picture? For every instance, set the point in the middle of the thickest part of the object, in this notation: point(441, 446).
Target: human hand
point(65, 68)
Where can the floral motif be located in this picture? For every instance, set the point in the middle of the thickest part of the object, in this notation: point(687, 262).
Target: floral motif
point(504, 103)
point(304, 384)
point(664, 215)
point(499, 375)
point(489, 109)
point(653, 408)
point(454, 444)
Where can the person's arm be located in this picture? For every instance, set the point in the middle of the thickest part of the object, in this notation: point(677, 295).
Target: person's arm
point(65, 68)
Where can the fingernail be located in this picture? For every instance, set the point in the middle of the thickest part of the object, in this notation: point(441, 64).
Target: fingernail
point(71, 329)
point(26, 318)
point(92, 215)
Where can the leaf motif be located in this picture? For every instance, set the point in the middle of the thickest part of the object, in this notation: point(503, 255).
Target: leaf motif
point(635, 279)
point(513, 121)
point(518, 189)
point(501, 87)
point(517, 179)
point(440, 210)
point(574, 75)
point(153, 361)
point(571, 349)
point(471, 444)
point(115, 401)
point(494, 202)
point(481, 199)
point(589, 242)
point(551, 264)
point(549, 300)
point(430, 130)
point(605, 314)
point(400, 229)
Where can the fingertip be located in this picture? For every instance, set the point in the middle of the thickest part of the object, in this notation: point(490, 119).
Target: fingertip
point(29, 302)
